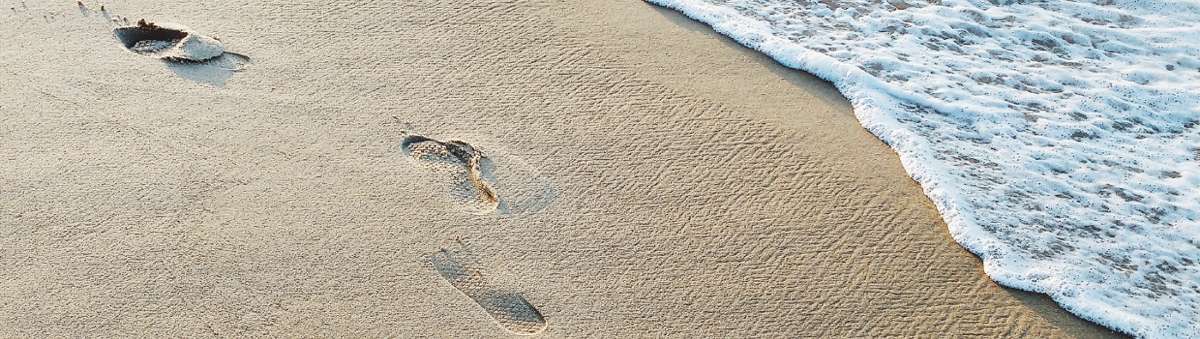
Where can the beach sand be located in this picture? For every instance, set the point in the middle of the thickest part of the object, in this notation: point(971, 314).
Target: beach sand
point(656, 180)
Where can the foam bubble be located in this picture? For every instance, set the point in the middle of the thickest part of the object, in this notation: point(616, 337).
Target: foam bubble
point(1059, 139)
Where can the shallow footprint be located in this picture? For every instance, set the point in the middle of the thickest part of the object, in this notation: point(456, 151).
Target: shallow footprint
point(470, 169)
point(483, 183)
point(509, 309)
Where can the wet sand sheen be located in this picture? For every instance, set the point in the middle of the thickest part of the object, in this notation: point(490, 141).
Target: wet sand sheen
point(1036, 305)
point(700, 189)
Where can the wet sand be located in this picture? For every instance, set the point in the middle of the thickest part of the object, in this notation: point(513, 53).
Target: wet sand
point(655, 179)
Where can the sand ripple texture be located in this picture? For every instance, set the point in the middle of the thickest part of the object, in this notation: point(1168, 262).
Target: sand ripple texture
point(1059, 139)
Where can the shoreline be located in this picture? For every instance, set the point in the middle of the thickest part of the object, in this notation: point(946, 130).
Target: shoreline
point(681, 184)
point(1039, 303)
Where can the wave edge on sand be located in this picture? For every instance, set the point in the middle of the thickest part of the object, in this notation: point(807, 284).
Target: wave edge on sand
point(1097, 283)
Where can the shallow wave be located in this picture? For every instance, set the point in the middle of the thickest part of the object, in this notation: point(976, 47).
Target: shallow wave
point(1059, 139)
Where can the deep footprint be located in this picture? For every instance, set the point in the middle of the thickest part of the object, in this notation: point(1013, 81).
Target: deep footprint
point(509, 309)
point(468, 165)
point(175, 43)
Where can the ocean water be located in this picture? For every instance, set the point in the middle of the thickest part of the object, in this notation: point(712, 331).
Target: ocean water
point(1059, 139)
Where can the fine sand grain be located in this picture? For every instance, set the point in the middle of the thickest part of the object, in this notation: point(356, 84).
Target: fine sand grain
point(662, 181)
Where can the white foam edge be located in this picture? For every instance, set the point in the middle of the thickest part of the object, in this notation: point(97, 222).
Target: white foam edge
point(870, 98)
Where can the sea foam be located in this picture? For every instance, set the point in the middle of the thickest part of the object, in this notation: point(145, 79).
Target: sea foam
point(1059, 139)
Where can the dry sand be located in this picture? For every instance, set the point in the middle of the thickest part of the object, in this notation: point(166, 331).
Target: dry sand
point(663, 182)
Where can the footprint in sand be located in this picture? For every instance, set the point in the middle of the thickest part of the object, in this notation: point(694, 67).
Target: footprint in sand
point(478, 182)
point(509, 309)
point(178, 44)
point(467, 164)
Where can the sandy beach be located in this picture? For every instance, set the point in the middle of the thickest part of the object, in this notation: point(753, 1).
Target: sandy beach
point(655, 180)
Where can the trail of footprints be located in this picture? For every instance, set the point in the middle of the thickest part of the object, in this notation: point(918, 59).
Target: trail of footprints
point(460, 267)
point(472, 176)
point(473, 184)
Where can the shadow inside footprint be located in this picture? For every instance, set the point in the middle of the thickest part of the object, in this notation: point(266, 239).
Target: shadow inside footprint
point(511, 310)
point(470, 167)
point(491, 183)
point(189, 54)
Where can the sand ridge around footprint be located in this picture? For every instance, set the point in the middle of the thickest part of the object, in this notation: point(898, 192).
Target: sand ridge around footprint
point(461, 268)
point(481, 181)
point(179, 44)
point(185, 52)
